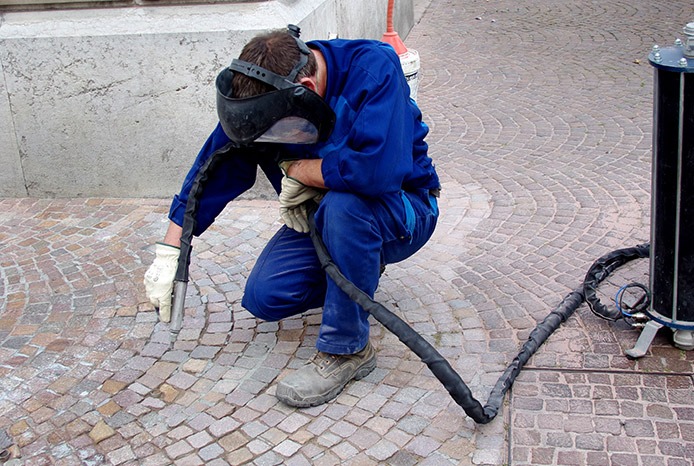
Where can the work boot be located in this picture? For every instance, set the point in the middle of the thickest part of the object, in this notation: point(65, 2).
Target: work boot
point(324, 376)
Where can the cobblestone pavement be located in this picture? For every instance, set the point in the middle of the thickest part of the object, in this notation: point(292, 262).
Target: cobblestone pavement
point(541, 129)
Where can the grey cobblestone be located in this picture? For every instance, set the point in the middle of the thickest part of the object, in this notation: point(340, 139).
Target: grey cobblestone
point(540, 116)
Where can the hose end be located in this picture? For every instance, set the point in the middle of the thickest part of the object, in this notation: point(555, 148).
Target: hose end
point(178, 306)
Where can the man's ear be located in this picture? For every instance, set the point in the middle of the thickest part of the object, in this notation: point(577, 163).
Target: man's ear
point(310, 82)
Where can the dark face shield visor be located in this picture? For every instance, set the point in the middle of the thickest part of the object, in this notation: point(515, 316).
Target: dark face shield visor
point(293, 115)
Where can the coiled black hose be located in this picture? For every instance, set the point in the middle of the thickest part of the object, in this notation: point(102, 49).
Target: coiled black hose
point(438, 365)
point(600, 269)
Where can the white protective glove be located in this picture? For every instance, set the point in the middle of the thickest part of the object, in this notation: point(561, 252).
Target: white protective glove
point(159, 279)
point(292, 198)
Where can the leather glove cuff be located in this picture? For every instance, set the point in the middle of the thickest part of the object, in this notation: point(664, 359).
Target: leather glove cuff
point(284, 166)
point(166, 250)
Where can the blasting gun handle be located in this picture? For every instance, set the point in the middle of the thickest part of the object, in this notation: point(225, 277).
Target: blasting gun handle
point(177, 305)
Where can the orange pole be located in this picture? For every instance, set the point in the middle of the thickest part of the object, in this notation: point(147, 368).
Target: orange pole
point(389, 17)
point(390, 36)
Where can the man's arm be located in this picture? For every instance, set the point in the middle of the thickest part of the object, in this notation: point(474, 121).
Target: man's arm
point(307, 172)
point(173, 235)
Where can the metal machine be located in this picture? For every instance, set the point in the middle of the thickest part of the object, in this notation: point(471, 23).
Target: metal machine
point(672, 197)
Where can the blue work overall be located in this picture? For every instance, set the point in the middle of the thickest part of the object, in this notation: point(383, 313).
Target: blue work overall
point(360, 234)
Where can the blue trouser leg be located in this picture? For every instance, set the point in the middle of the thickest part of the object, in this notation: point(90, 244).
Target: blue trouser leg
point(353, 238)
point(287, 278)
point(360, 234)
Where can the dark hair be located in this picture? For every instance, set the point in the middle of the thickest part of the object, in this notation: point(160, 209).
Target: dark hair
point(275, 51)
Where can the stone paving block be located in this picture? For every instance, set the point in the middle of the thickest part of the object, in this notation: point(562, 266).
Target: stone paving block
point(121, 455)
point(210, 452)
point(287, 448)
point(204, 352)
point(239, 456)
point(223, 426)
point(293, 422)
point(178, 449)
point(101, 431)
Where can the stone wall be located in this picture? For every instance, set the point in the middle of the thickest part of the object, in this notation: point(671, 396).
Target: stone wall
point(117, 102)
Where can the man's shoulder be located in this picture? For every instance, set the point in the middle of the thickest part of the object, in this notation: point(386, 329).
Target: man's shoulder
point(368, 63)
point(353, 46)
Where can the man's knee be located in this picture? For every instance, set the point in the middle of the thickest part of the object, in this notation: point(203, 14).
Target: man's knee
point(273, 299)
point(258, 302)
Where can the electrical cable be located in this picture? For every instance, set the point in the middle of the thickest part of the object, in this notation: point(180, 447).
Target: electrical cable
point(641, 304)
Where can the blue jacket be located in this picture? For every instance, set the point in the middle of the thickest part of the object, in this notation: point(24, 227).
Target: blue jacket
point(376, 149)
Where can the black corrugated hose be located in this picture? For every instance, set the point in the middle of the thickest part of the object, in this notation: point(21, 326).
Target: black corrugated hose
point(192, 204)
point(601, 269)
point(438, 365)
point(180, 284)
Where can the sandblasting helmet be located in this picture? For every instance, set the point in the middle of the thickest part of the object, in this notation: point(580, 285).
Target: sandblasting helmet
point(291, 114)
